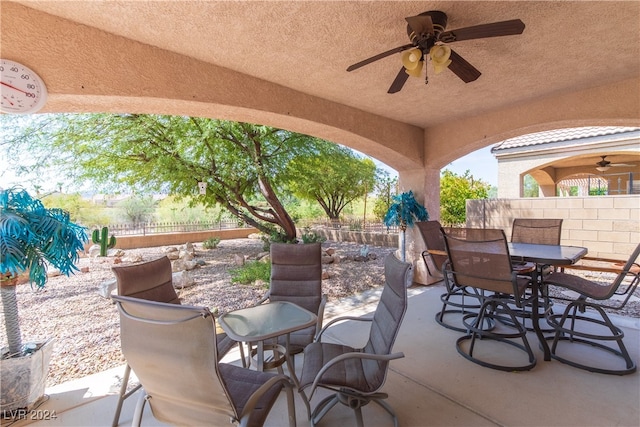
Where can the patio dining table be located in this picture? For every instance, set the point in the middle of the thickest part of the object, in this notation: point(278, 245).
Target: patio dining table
point(264, 322)
point(540, 255)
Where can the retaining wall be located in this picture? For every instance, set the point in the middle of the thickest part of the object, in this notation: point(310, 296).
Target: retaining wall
point(164, 239)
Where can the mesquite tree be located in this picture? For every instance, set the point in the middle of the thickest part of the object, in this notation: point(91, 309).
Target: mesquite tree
point(244, 165)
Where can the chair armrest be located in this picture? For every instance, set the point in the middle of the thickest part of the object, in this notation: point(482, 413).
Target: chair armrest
point(264, 388)
point(264, 298)
point(436, 252)
point(323, 303)
point(341, 319)
point(605, 265)
point(351, 355)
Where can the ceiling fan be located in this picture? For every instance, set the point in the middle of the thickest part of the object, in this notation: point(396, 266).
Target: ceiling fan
point(428, 37)
point(604, 165)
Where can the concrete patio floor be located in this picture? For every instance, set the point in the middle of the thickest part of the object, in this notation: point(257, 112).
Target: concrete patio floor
point(431, 386)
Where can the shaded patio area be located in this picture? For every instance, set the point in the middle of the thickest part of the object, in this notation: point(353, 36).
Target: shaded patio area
point(431, 385)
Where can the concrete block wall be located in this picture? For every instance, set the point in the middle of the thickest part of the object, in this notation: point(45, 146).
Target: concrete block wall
point(609, 226)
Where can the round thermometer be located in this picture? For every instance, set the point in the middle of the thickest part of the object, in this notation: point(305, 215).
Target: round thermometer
point(22, 90)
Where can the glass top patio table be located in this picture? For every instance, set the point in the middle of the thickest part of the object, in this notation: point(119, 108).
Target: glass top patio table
point(265, 321)
point(546, 254)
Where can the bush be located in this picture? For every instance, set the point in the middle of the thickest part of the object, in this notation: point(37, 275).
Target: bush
point(250, 272)
point(310, 236)
point(211, 243)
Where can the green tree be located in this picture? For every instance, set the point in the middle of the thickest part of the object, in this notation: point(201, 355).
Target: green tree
point(531, 187)
point(80, 210)
point(138, 209)
point(455, 190)
point(385, 188)
point(244, 165)
point(332, 175)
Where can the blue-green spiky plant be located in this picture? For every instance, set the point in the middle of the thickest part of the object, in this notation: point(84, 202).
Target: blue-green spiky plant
point(403, 212)
point(32, 237)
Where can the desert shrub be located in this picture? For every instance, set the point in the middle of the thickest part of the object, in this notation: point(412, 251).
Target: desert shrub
point(250, 272)
point(211, 243)
point(310, 236)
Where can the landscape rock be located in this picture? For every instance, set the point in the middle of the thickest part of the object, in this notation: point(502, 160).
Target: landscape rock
point(182, 279)
point(107, 287)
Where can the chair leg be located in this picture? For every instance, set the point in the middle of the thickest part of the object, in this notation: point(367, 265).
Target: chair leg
point(291, 406)
point(476, 332)
point(123, 395)
point(137, 415)
point(389, 409)
point(572, 335)
point(322, 408)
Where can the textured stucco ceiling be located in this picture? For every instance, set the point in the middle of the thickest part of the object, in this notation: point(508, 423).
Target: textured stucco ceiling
point(307, 45)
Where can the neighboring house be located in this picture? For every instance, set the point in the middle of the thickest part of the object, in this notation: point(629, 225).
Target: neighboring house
point(565, 162)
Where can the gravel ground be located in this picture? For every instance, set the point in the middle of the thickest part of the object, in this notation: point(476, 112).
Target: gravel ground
point(85, 326)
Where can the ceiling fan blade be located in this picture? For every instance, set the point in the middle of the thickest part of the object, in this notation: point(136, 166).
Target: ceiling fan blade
point(379, 56)
point(496, 29)
point(399, 81)
point(461, 68)
point(420, 24)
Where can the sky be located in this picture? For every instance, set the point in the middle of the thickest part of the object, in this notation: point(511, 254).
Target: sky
point(481, 163)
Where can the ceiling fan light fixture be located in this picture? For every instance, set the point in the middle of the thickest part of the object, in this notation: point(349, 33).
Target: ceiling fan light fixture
point(440, 57)
point(411, 59)
point(603, 168)
point(415, 72)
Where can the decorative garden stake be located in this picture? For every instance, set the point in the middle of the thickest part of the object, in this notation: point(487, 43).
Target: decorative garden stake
point(404, 210)
point(32, 237)
point(104, 241)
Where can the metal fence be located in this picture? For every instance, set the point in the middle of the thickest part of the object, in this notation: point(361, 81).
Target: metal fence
point(171, 227)
point(181, 227)
point(351, 225)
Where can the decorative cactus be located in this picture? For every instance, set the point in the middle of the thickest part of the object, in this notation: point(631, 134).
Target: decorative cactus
point(101, 239)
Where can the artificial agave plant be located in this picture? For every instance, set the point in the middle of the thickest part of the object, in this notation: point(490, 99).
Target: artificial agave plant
point(32, 237)
point(403, 212)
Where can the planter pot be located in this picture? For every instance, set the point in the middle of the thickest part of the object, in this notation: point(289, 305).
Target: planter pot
point(23, 379)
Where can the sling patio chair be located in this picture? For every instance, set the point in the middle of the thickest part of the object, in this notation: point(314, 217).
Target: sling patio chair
point(575, 328)
point(541, 231)
point(153, 281)
point(456, 300)
point(481, 260)
point(173, 350)
point(356, 375)
point(296, 276)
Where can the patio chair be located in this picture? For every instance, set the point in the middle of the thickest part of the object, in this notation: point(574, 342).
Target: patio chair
point(151, 280)
point(296, 276)
point(595, 330)
point(173, 350)
point(541, 231)
point(356, 375)
point(481, 260)
point(457, 300)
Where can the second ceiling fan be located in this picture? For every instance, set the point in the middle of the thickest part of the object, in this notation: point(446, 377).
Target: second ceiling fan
point(428, 38)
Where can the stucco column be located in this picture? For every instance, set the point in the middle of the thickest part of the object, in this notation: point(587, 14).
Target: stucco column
point(425, 184)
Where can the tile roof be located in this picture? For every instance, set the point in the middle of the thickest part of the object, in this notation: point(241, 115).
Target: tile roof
point(559, 135)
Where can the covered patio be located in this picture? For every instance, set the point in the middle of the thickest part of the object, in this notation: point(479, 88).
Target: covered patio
point(431, 385)
point(284, 64)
